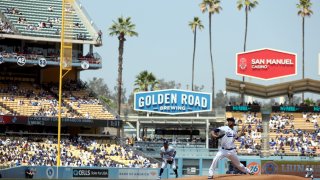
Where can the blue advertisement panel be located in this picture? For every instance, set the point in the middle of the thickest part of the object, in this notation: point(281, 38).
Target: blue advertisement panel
point(172, 101)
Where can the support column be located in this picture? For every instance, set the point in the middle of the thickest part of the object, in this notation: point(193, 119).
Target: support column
point(265, 148)
point(281, 100)
point(138, 129)
point(180, 166)
point(91, 48)
point(207, 133)
point(200, 167)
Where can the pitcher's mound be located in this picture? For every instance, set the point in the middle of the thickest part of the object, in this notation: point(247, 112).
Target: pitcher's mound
point(245, 177)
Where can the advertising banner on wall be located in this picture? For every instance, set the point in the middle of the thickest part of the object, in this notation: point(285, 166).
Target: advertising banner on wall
point(90, 173)
point(172, 101)
point(137, 173)
point(295, 108)
point(255, 168)
point(296, 168)
point(252, 108)
point(266, 64)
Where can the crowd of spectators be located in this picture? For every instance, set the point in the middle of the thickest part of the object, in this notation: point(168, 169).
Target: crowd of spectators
point(44, 98)
point(36, 96)
point(289, 137)
point(13, 10)
point(5, 27)
point(75, 152)
point(301, 141)
point(250, 140)
point(49, 54)
point(281, 122)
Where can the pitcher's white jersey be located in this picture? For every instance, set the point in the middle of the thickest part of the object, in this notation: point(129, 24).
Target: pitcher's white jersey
point(227, 141)
point(228, 150)
point(167, 153)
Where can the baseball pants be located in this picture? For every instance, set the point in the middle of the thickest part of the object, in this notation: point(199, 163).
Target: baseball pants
point(164, 164)
point(232, 156)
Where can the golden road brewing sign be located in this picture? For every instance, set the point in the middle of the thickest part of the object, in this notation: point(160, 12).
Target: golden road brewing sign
point(266, 64)
point(172, 101)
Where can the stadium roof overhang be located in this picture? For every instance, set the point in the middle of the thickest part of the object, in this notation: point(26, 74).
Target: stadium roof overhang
point(33, 38)
point(276, 90)
point(174, 121)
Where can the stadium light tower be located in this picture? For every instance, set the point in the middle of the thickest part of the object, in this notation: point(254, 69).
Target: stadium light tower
point(65, 59)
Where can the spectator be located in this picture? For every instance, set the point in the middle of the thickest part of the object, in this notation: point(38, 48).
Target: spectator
point(50, 9)
point(29, 174)
point(99, 38)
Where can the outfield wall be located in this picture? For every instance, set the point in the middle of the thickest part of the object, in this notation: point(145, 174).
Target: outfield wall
point(43, 172)
point(286, 165)
point(186, 167)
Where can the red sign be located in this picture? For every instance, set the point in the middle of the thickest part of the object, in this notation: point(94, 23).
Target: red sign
point(266, 64)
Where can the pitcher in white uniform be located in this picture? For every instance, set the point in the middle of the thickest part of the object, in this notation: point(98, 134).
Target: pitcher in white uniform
point(168, 154)
point(228, 148)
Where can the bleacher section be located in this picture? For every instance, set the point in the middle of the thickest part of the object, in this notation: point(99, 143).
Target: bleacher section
point(27, 99)
point(289, 133)
point(3, 111)
point(36, 12)
point(250, 142)
point(76, 152)
point(93, 109)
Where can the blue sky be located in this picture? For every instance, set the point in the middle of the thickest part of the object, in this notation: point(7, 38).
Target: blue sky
point(165, 43)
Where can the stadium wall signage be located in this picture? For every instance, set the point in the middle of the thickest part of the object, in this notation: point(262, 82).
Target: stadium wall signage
point(125, 173)
point(295, 108)
point(296, 168)
point(266, 64)
point(172, 101)
point(243, 108)
point(90, 173)
point(53, 121)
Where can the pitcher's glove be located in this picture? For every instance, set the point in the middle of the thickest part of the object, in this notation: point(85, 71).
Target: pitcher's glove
point(221, 136)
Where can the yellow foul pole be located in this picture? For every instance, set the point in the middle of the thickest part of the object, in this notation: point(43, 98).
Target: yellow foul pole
point(60, 80)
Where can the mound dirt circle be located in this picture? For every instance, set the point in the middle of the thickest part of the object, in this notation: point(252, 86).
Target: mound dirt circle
point(246, 177)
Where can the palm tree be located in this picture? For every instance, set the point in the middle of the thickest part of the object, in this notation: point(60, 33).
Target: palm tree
point(248, 5)
point(145, 81)
point(121, 28)
point(213, 7)
point(196, 23)
point(304, 11)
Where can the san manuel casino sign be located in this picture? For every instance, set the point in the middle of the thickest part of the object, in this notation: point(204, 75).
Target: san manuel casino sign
point(172, 101)
point(266, 64)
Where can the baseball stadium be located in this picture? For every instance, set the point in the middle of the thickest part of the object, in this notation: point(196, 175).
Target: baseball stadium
point(55, 124)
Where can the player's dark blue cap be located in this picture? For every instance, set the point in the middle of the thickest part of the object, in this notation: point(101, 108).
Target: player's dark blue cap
point(165, 142)
point(231, 119)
